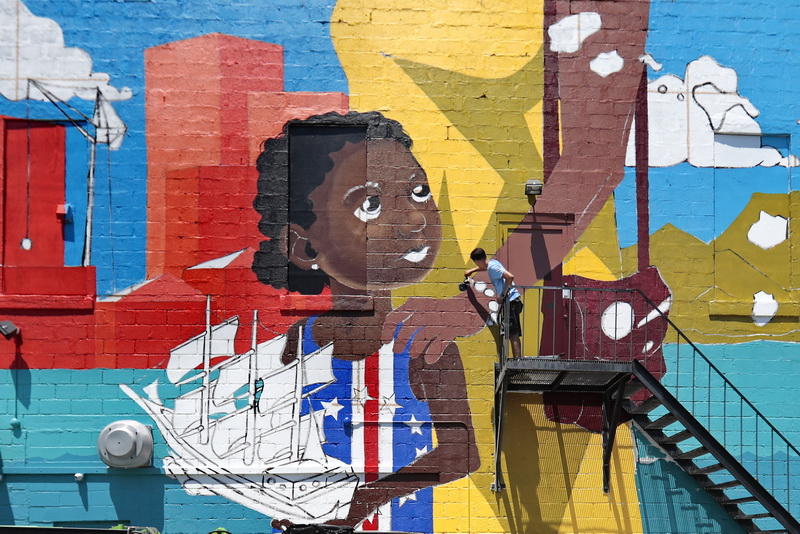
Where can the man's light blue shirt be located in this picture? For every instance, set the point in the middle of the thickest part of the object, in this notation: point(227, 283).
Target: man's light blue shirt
point(496, 271)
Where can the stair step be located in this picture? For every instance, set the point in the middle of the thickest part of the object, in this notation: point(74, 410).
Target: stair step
point(662, 422)
point(632, 387)
point(743, 516)
point(646, 407)
point(693, 470)
point(711, 486)
point(694, 453)
point(675, 438)
point(736, 502)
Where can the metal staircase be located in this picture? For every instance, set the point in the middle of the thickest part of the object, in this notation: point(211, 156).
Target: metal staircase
point(606, 347)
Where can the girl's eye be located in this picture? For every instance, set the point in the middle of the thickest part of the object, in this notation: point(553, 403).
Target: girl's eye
point(369, 209)
point(421, 193)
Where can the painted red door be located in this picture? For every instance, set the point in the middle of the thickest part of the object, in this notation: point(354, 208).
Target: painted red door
point(33, 188)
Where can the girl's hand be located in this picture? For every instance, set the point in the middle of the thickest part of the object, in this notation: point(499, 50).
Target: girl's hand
point(432, 324)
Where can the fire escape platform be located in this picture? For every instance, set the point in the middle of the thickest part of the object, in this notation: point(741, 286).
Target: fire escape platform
point(545, 373)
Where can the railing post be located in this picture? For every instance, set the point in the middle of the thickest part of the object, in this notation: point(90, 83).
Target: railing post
point(504, 331)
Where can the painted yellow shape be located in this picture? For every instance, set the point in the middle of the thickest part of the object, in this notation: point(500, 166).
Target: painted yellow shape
point(586, 263)
point(602, 239)
point(591, 510)
point(710, 280)
point(773, 263)
point(477, 51)
point(460, 507)
point(553, 474)
point(738, 280)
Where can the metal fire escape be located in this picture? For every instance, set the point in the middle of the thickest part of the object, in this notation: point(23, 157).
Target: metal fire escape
point(606, 346)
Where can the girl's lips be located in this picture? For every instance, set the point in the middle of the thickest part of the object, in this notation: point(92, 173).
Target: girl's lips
point(416, 255)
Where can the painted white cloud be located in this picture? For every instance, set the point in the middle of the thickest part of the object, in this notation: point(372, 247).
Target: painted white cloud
point(764, 308)
point(704, 120)
point(768, 231)
point(568, 34)
point(648, 60)
point(33, 48)
point(607, 63)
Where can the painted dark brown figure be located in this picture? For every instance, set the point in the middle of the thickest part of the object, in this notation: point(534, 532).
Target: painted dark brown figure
point(361, 221)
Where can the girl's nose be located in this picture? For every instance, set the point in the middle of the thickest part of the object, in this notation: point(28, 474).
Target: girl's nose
point(413, 222)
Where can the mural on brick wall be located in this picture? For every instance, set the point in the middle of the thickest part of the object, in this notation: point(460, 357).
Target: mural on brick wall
point(267, 268)
point(704, 120)
point(46, 70)
point(327, 422)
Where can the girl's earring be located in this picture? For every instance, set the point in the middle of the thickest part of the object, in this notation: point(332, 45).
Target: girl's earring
point(314, 266)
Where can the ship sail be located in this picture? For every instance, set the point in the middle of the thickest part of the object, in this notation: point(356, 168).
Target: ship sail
point(318, 369)
point(314, 439)
point(235, 373)
point(186, 357)
point(277, 392)
point(184, 416)
point(230, 436)
point(247, 429)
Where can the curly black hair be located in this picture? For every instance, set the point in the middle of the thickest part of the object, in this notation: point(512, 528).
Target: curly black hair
point(280, 202)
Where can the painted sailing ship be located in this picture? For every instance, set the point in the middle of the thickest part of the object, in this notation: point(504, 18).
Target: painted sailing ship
point(246, 431)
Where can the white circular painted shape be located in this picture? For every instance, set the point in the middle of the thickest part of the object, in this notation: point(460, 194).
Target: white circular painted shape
point(569, 33)
point(617, 320)
point(769, 231)
point(26, 244)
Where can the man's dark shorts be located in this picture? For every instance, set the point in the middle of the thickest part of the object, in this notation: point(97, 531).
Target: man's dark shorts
point(514, 322)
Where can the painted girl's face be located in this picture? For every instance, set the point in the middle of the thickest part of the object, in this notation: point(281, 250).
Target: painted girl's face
point(377, 226)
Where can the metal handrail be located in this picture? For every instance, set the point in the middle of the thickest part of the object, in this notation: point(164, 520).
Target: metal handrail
point(677, 330)
point(717, 371)
point(748, 433)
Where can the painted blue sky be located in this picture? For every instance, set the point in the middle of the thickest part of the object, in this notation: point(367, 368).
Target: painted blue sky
point(94, 26)
point(756, 38)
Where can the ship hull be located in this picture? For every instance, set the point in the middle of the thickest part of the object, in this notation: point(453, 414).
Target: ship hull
point(298, 490)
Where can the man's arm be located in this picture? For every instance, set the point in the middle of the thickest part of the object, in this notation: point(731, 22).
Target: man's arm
point(509, 279)
point(470, 272)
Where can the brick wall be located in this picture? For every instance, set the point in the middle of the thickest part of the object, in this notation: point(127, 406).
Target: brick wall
point(191, 233)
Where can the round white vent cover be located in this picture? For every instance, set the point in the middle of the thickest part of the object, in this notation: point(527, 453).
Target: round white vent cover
point(126, 444)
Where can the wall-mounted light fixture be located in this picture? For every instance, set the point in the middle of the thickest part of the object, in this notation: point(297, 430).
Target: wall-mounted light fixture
point(533, 187)
point(8, 329)
point(126, 444)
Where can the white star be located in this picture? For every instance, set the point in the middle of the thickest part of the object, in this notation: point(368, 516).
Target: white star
point(422, 451)
point(332, 408)
point(406, 498)
point(415, 425)
point(389, 405)
point(362, 396)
